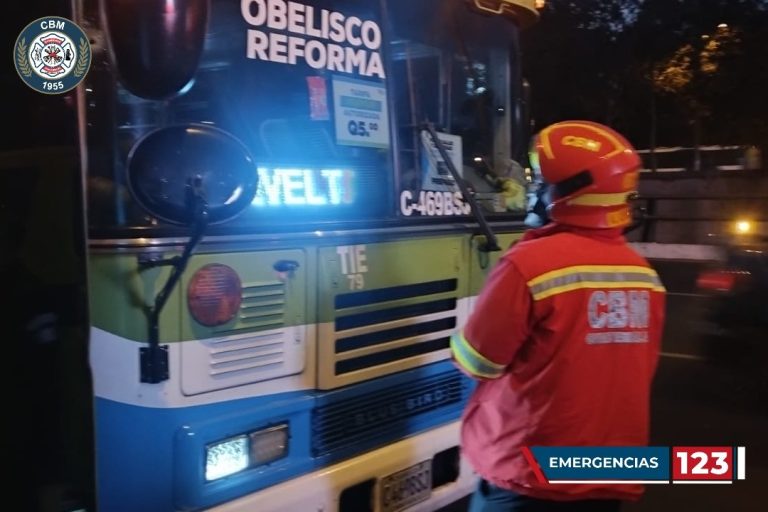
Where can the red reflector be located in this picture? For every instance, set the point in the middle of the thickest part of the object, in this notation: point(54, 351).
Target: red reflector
point(214, 294)
point(717, 280)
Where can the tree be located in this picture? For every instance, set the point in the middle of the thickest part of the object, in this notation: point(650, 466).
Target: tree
point(621, 61)
point(569, 61)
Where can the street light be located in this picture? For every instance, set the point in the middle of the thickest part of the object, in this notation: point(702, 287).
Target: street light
point(743, 227)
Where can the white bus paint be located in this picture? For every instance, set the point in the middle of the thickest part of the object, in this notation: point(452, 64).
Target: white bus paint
point(116, 375)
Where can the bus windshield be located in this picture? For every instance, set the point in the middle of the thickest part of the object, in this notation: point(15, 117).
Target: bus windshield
point(330, 99)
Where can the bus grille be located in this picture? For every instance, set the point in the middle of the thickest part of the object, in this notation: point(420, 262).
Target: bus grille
point(376, 418)
point(388, 325)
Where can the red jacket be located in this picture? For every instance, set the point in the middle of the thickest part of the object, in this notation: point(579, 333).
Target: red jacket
point(564, 339)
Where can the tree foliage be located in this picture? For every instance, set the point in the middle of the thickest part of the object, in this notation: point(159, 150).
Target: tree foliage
point(654, 68)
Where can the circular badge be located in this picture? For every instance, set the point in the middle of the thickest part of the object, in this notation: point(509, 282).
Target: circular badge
point(52, 55)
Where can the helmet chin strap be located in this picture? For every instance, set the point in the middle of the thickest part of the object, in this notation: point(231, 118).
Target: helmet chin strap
point(538, 209)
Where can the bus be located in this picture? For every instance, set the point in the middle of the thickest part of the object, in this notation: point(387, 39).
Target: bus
point(290, 208)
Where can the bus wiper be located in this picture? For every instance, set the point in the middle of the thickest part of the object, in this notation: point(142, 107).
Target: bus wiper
point(491, 243)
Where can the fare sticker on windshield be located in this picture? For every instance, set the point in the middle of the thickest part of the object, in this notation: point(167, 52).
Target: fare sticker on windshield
point(360, 112)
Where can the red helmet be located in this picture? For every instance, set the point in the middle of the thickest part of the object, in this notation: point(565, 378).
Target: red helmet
point(591, 170)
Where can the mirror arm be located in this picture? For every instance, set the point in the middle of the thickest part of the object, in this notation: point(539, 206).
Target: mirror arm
point(154, 358)
point(491, 243)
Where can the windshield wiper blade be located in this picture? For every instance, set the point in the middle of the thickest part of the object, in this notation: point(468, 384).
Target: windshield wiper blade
point(491, 243)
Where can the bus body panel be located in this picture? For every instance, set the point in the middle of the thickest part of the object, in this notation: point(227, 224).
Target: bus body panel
point(307, 339)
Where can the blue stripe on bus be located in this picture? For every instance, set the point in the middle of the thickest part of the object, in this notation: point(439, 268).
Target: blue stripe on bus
point(152, 459)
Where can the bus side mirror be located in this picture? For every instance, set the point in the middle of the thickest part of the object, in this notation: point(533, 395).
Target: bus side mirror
point(191, 175)
point(156, 44)
point(173, 170)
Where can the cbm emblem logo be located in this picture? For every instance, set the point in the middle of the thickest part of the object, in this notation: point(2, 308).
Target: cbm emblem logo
point(52, 55)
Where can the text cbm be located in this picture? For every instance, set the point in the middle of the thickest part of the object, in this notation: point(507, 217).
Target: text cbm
point(53, 24)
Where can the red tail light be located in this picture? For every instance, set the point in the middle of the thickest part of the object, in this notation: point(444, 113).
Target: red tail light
point(721, 280)
point(214, 295)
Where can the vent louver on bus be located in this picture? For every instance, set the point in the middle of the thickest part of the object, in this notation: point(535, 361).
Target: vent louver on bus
point(262, 307)
point(378, 417)
point(257, 345)
point(253, 353)
point(387, 329)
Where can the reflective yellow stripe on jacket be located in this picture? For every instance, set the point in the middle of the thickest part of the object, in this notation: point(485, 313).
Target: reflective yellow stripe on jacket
point(593, 276)
point(472, 361)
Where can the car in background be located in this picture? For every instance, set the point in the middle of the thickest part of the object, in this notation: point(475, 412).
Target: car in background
point(735, 326)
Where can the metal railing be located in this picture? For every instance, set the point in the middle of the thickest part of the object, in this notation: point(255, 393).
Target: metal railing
point(648, 212)
point(703, 159)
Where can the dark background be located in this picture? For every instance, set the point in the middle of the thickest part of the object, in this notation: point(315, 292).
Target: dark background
point(42, 271)
point(663, 72)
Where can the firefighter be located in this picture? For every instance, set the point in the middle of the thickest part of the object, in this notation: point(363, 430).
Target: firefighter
point(564, 339)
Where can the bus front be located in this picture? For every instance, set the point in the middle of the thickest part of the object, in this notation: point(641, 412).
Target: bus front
point(299, 357)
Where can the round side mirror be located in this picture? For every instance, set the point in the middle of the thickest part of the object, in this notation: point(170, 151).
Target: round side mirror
point(167, 163)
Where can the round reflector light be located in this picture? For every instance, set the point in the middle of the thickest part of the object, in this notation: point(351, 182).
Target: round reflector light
point(214, 294)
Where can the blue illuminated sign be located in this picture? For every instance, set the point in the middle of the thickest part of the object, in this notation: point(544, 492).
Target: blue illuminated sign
point(303, 187)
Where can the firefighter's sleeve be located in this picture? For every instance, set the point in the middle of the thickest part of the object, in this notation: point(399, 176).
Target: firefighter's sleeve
point(497, 327)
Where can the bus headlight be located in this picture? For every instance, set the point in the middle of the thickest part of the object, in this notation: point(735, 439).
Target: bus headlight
point(252, 449)
point(269, 444)
point(226, 458)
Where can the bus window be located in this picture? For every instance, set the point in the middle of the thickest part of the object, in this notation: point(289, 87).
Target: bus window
point(282, 94)
point(456, 73)
point(333, 124)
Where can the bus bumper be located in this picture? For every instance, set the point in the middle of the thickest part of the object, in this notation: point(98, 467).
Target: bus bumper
point(320, 491)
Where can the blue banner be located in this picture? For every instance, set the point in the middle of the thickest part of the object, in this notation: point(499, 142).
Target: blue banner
point(605, 463)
